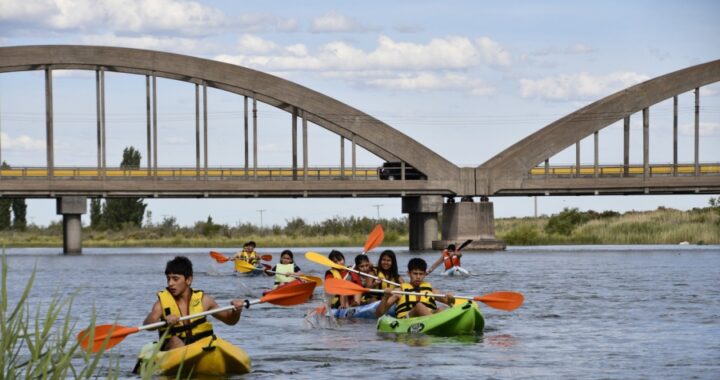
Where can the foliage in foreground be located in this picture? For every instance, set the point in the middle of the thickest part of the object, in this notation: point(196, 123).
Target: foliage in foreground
point(43, 345)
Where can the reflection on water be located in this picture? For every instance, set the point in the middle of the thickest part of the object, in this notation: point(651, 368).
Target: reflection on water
point(589, 312)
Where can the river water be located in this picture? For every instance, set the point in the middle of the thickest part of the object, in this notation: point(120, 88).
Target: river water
point(590, 312)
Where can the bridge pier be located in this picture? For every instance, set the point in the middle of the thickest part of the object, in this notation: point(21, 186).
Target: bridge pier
point(469, 220)
point(423, 219)
point(71, 208)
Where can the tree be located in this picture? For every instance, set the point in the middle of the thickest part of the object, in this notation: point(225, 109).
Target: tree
point(5, 204)
point(119, 212)
point(96, 215)
point(19, 210)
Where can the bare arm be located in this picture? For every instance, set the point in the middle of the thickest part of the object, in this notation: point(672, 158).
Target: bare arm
point(448, 299)
point(229, 317)
point(386, 302)
point(154, 315)
point(436, 263)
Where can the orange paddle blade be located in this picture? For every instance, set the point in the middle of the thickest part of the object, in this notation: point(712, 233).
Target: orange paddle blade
point(343, 288)
point(114, 334)
point(219, 257)
point(507, 301)
point(374, 239)
point(266, 257)
point(290, 295)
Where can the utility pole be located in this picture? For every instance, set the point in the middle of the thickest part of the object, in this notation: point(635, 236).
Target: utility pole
point(535, 206)
point(378, 211)
point(261, 219)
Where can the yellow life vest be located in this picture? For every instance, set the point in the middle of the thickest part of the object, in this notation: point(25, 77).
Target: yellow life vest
point(250, 257)
point(385, 285)
point(284, 268)
point(335, 302)
point(198, 328)
point(407, 302)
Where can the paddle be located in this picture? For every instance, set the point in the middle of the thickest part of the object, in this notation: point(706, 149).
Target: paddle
point(322, 260)
point(244, 266)
point(220, 258)
point(374, 239)
point(465, 244)
point(316, 280)
point(507, 301)
point(108, 336)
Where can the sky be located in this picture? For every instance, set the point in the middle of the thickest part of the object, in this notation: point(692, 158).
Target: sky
point(465, 78)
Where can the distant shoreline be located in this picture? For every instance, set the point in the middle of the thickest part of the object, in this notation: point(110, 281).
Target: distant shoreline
point(662, 226)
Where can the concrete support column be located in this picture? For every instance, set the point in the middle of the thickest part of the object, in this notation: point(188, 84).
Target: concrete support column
point(71, 208)
point(469, 220)
point(423, 219)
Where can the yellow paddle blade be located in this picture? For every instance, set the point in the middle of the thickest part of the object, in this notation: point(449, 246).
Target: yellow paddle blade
point(244, 266)
point(322, 260)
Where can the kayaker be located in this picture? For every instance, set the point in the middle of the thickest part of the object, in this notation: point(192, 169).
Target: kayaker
point(180, 299)
point(286, 265)
point(338, 258)
point(413, 306)
point(387, 269)
point(248, 254)
point(363, 264)
point(449, 256)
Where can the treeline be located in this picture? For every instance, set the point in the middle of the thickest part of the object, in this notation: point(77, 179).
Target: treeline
point(571, 226)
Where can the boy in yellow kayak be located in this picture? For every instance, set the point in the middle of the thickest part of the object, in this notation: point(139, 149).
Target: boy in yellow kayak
point(413, 306)
point(179, 299)
point(248, 254)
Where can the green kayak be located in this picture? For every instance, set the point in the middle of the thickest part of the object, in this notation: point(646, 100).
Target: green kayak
point(460, 319)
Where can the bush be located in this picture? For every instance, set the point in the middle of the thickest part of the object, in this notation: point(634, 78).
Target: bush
point(566, 221)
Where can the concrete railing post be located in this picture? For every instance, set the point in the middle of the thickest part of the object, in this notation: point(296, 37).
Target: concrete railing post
point(71, 208)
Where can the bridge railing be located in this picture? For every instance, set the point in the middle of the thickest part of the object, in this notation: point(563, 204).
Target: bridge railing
point(266, 173)
point(616, 171)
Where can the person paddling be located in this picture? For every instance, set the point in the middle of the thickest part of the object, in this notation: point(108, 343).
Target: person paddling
point(180, 299)
point(363, 264)
point(450, 257)
point(338, 258)
point(247, 254)
point(410, 305)
point(285, 266)
point(387, 269)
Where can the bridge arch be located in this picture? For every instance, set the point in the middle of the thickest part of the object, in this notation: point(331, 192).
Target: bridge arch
point(509, 168)
point(322, 110)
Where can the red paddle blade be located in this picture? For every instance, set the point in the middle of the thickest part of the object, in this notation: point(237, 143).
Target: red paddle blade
point(290, 295)
point(343, 288)
point(266, 257)
point(219, 257)
point(374, 239)
point(116, 334)
point(507, 301)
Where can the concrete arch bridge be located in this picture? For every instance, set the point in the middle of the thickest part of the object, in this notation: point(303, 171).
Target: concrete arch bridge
point(412, 171)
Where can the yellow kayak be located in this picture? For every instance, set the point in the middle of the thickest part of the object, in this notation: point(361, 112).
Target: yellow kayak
point(208, 356)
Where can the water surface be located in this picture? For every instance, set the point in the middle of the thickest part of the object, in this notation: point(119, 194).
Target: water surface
point(591, 312)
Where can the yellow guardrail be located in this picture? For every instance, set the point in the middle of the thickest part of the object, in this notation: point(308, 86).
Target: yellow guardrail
point(364, 173)
point(615, 171)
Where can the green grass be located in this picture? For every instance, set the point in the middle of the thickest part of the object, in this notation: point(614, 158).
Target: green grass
point(42, 343)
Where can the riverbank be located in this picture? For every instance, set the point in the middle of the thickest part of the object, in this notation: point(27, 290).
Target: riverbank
point(662, 226)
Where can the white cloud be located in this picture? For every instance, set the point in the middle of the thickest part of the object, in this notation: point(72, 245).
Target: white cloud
point(430, 81)
point(450, 53)
point(578, 86)
point(22, 142)
point(336, 23)
point(578, 49)
point(190, 46)
point(706, 129)
point(252, 44)
point(125, 16)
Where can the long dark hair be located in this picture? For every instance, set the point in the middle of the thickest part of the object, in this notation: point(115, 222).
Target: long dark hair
point(394, 274)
